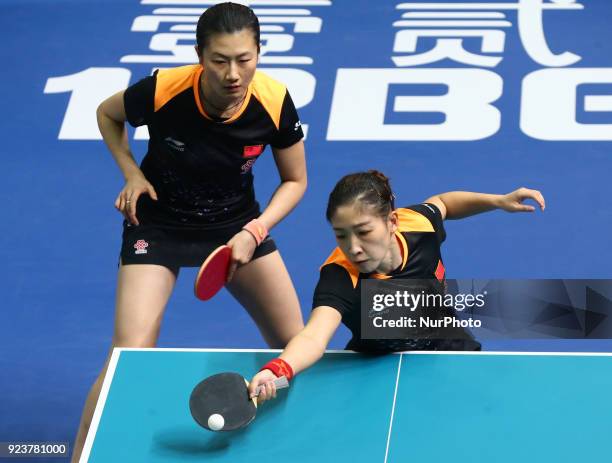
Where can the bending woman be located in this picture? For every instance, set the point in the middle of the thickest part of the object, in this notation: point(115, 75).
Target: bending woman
point(375, 240)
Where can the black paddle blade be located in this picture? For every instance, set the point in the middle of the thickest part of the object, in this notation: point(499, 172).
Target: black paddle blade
point(225, 394)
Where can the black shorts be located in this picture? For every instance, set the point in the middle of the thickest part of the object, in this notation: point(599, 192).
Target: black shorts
point(175, 248)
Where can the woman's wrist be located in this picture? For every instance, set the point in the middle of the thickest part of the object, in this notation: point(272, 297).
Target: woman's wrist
point(279, 367)
point(496, 201)
point(257, 229)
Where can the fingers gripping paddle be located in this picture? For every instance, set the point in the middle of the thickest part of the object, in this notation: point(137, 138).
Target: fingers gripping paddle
point(213, 273)
point(221, 402)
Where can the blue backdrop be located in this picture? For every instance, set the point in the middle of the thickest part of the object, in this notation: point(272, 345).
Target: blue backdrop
point(60, 233)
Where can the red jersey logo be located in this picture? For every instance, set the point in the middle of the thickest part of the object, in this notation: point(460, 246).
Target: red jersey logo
point(141, 247)
point(250, 151)
point(439, 273)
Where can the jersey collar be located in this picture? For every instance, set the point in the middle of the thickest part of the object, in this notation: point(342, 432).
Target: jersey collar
point(196, 93)
point(404, 250)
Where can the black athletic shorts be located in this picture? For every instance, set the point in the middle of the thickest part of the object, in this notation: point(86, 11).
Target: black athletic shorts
point(175, 248)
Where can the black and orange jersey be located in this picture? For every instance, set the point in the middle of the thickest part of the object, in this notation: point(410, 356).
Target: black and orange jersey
point(420, 234)
point(200, 167)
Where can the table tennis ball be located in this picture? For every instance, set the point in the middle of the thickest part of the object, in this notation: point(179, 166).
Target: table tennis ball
point(215, 422)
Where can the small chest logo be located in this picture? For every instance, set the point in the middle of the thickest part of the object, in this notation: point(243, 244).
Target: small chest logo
point(141, 247)
point(175, 144)
point(246, 167)
point(254, 150)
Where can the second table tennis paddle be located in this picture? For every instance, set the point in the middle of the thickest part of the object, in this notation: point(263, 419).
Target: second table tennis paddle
point(213, 273)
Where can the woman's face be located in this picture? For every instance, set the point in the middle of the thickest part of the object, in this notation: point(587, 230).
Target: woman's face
point(229, 61)
point(366, 239)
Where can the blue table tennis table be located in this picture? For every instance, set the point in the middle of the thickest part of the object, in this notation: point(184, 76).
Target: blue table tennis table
point(409, 407)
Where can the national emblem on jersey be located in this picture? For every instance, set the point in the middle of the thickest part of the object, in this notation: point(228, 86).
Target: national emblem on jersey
point(250, 151)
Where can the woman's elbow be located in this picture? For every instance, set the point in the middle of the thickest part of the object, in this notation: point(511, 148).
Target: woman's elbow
point(303, 184)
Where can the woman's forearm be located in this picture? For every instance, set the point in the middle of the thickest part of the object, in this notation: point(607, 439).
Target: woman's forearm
point(460, 204)
point(285, 198)
point(303, 351)
point(114, 134)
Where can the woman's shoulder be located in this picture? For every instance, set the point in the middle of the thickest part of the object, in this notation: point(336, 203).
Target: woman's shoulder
point(263, 81)
point(338, 267)
point(269, 91)
point(418, 217)
point(178, 77)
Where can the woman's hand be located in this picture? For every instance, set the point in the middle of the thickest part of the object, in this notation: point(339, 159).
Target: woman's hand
point(243, 246)
point(126, 201)
point(264, 378)
point(513, 202)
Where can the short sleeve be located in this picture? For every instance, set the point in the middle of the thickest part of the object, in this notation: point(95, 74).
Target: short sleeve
point(290, 127)
point(334, 289)
point(434, 215)
point(139, 101)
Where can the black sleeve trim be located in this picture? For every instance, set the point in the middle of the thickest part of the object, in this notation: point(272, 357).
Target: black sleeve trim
point(334, 289)
point(434, 216)
point(290, 128)
point(139, 101)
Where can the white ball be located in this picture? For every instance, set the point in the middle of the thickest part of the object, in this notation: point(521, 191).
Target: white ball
point(215, 422)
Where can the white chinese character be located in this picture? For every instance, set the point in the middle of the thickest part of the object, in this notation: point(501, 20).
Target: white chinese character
point(450, 27)
point(176, 44)
point(451, 48)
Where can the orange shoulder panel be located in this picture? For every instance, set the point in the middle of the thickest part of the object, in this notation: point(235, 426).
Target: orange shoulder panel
point(338, 257)
point(412, 221)
point(270, 93)
point(171, 82)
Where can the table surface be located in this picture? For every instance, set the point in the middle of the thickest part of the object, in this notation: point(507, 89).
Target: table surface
point(489, 407)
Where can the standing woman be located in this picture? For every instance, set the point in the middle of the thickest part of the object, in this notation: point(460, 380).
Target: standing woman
point(208, 124)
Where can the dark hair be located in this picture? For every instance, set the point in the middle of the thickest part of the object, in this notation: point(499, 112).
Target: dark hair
point(225, 18)
point(369, 188)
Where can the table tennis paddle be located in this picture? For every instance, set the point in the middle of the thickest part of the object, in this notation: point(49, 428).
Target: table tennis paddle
point(213, 273)
point(227, 395)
